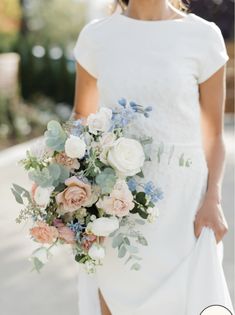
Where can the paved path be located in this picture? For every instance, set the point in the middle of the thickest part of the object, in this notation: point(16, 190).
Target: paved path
point(54, 291)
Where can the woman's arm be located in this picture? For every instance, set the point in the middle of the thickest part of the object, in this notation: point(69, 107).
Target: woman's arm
point(212, 101)
point(86, 93)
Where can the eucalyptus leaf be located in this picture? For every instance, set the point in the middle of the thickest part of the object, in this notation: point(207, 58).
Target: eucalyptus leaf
point(55, 136)
point(142, 240)
point(135, 266)
point(122, 251)
point(17, 197)
point(132, 249)
point(37, 263)
point(140, 221)
point(117, 240)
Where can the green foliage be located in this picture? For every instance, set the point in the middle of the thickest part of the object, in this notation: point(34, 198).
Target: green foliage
point(55, 136)
point(52, 175)
point(106, 180)
point(55, 21)
point(20, 193)
point(10, 16)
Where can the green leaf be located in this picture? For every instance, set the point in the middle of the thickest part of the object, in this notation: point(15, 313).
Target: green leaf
point(142, 240)
point(17, 197)
point(113, 233)
point(126, 240)
point(117, 240)
point(106, 180)
point(181, 160)
point(140, 197)
point(140, 221)
point(122, 251)
point(140, 174)
point(135, 266)
point(128, 259)
point(37, 264)
point(79, 257)
point(132, 249)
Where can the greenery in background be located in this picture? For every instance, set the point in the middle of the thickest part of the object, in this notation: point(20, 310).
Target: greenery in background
point(44, 35)
point(22, 121)
point(46, 46)
point(10, 17)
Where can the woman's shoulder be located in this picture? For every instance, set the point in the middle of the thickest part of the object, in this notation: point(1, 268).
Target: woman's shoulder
point(205, 27)
point(98, 24)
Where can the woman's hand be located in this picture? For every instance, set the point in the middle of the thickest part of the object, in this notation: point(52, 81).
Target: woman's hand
point(211, 214)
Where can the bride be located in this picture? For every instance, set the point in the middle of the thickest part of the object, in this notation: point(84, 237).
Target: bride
point(156, 53)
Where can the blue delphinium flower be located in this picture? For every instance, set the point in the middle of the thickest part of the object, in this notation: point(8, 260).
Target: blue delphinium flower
point(77, 228)
point(155, 193)
point(122, 102)
point(78, 128)
point(132, 184)
point(122, 118)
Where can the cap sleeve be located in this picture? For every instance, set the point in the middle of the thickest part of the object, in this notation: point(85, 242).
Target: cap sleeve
point(214, 53)
point(84, 50)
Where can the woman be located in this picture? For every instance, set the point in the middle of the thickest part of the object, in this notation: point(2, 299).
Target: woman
point(155, 54)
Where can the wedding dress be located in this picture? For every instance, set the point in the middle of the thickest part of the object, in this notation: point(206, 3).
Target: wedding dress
point(159, 64)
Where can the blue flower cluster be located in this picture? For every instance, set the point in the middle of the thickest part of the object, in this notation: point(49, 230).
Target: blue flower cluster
point(122, 117)
point(77, 228)
point(136, 107)
point(155, 193)
point(132, 184)
point(78, 128)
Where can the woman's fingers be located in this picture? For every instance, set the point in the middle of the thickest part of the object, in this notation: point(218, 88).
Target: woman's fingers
point(219, 231)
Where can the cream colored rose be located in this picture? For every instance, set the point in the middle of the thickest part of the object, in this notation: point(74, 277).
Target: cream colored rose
point(126, 156)
point(104, 226)
point(42, 195)
point(119, 202)
point(75, 147)
point(74, 196)
point(100, 121)
point(106, 141)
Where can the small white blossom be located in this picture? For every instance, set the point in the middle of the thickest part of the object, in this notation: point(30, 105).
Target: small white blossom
point(75, 147)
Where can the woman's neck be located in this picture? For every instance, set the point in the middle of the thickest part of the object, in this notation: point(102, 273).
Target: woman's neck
point(151, 10)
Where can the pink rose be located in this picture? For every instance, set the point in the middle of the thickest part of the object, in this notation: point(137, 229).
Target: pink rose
point(120, 201)
point(43, 233)
point(74, 196)
point(65, 233)
point(63, 159)
point(88, 240)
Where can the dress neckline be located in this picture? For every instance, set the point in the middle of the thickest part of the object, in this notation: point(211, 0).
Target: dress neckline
point(140, 21)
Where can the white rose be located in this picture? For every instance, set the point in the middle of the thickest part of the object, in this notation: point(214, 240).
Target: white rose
point(104, 226)
point(126, 156)
point(100, 121)
point(75, 147)
point(42, 195)
point(96, 251)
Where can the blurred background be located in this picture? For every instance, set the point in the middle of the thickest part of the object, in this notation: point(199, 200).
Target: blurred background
point(37, 81)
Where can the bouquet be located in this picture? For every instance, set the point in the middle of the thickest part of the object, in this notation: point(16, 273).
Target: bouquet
point(88, 185)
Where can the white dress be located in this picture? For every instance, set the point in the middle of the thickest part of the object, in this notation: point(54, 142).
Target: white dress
point(159, 63)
